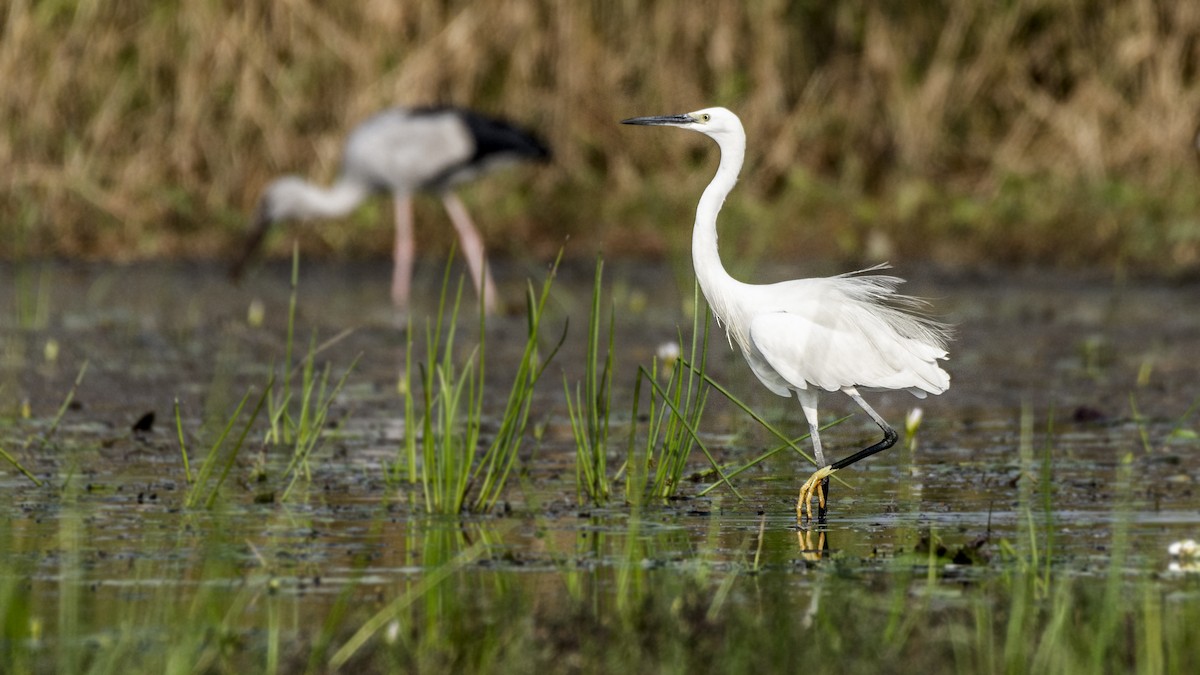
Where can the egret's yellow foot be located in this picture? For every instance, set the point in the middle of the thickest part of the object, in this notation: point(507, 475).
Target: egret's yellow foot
point(812, 485)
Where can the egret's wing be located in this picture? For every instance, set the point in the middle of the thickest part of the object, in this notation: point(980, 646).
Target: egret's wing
point(832, 347)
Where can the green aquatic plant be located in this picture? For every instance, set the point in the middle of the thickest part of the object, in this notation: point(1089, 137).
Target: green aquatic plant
point(316, 398)
point(39, 441)
point(447, 457)
point(200, 491)
point(299, 418)
point(32, 296)
point(441, 456)
point(220, 591)
point(19, 467)
point(590, 405)
point(657, 461)
point(788, 442)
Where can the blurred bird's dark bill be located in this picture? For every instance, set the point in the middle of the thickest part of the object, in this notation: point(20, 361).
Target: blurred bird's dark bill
point(258, 231)
point(660, 120)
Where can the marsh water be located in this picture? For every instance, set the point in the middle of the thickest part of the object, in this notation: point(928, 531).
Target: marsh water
point(1075, 388)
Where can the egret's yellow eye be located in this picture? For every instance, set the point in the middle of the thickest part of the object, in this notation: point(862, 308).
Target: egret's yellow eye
point(705, 117)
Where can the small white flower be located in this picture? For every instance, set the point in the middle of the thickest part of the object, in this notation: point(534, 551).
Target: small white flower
point(50, 351)
point(256, 313)
point(913, 421)
point(667, 352)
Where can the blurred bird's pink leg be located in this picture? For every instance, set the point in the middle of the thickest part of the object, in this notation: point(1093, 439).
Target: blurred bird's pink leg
point(403, 253)
point(472, 246)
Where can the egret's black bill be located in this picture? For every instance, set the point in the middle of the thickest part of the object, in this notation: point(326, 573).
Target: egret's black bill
point(660, 120)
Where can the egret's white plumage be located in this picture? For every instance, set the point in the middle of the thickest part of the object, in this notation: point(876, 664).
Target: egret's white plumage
point(837, 333)
point(404, 151)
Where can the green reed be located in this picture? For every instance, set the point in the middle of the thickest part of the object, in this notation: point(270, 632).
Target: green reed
point(447, 456)
point(449, 434)
point(589, 406)
point(657, 462)
point(201, 492)
point(497, 462)
point(32, 296)
point(38, 441)
point(297, 416)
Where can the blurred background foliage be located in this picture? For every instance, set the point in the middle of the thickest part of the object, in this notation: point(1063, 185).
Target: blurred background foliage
point(962, 132)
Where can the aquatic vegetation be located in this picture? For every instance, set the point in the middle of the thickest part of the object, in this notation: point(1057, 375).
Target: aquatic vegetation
point(622, 600)
point(1010, 542)
point(39, 441)
point(658, 452)
point(658, 463)
point(32, 296)
point(301, 424)
point(591, 404)
point(12, 460)
point(446, 456)
point(201, 493)
point(297, 419)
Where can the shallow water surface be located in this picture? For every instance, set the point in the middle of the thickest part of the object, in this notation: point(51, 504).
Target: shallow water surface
point(1069, 415)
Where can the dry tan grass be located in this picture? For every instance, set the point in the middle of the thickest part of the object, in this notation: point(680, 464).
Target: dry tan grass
point(1049, 130)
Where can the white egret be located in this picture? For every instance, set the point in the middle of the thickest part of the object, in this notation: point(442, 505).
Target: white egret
point(404, 151)
point(842, 333)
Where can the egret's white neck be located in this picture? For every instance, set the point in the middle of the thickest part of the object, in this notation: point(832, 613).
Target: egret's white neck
point(713, 278)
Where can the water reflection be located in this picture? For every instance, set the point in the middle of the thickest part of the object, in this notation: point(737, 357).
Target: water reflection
point(813, 544)
point(1027, 342)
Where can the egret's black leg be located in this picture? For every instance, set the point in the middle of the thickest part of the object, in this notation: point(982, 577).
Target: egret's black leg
point(819, 482)
point(889, 439)
point(823, 501)
point(889, 434)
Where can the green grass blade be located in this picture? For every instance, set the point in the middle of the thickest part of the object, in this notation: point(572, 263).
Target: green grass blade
point(690, 430)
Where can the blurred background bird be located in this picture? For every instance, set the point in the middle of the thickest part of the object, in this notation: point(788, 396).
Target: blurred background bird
point(403, 151)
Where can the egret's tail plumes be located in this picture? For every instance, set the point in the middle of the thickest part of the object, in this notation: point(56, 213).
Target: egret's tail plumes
point(878, 337)
point(903, 313)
